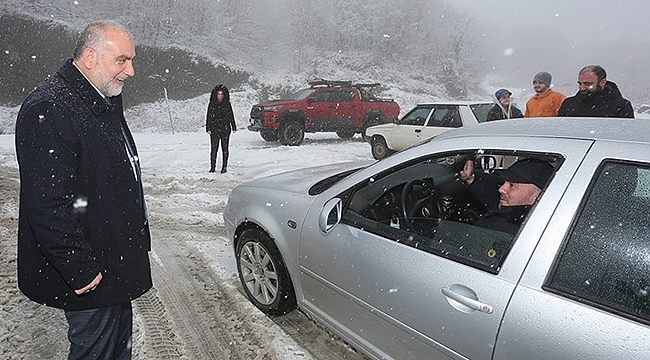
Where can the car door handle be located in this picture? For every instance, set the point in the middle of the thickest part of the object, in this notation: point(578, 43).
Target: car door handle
point(418, 130)
point(471, 303)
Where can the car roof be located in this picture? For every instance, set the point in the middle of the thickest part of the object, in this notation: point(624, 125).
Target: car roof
point(612, 129)
point(455, 103)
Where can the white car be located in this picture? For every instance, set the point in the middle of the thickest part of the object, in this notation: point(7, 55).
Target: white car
point(423, 122)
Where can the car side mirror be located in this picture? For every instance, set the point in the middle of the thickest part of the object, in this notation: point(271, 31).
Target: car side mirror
point(330, 216)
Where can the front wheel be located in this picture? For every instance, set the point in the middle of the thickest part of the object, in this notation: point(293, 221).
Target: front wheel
point(263, 273)
point(291, 133)
point(379, 148)
point(269, 135)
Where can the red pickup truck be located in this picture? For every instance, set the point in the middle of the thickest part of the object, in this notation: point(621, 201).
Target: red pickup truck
point(326, 106)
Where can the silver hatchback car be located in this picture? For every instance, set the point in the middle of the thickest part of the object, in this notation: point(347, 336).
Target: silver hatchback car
point(403, 260)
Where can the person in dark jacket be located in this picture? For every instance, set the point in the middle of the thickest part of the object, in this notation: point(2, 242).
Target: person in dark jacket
point(596, 97)
point(509, 195)
point(219, 122)
point(83, 234)
point(503, 108)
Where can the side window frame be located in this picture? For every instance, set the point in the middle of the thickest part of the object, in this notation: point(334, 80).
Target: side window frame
point(499, 250)
point(598, 298)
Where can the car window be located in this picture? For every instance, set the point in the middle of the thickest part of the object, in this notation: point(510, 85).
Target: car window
point(481, 111)
point(343, 95)
point(606, 259)
point(425, 205)
point(417, 116)
point(301, 94)
point(447, 116)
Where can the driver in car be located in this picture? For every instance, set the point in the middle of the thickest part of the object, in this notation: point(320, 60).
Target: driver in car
point(507, 197)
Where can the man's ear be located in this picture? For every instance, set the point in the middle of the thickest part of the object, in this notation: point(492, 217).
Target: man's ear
point(89, 58)
point(602, 82)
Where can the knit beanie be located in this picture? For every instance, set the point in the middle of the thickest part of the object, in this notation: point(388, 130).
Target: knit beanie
point(501, 92)
point(543, 77)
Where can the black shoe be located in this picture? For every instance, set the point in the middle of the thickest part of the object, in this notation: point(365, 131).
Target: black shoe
point(223, 171)
point(211, 170)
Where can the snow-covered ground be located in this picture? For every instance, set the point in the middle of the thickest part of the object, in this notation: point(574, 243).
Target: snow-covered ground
point(181, 159)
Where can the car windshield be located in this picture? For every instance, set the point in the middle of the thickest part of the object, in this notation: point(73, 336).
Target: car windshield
point(301, 94)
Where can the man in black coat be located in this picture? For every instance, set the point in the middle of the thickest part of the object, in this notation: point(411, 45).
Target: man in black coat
point(596, 97)
point(219, 122)
point(83, 235)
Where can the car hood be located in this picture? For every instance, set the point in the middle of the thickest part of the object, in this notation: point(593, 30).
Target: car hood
point(382, 127)
point(299, 181)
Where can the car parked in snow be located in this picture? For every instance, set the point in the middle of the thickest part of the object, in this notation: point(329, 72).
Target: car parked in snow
point(423, 122)
point(397, 265)
point(343, 107)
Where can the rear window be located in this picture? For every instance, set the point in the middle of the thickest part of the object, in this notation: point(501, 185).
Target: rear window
point(481, 111)
point(606, 259)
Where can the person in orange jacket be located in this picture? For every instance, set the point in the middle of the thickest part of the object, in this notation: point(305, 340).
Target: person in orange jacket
point(545, 102)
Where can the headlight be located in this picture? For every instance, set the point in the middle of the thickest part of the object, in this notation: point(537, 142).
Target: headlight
point(273, 108)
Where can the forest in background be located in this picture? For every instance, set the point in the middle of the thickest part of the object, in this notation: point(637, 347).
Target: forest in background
point(420, 46)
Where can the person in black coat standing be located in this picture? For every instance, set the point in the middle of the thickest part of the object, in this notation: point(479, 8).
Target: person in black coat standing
point(219, 123)
point(596, 97)
point(503, 108)
point(83, 233)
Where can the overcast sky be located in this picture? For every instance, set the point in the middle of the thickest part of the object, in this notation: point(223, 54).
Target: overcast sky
point(589, 20)
point(561, 36)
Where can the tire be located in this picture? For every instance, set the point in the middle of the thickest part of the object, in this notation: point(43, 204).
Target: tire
point(291, 133)
point(345, 134)
point(269, 135)
point(263, 273)
point(371, 120)
point(379, 148)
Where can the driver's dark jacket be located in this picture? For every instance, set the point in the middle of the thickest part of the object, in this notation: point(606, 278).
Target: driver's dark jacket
point(485, 189)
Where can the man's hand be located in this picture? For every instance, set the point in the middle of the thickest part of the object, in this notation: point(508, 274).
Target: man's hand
point(467, 174)
point(90, 287)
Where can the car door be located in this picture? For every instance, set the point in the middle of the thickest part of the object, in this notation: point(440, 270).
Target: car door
point(347, 110)
point(443, 118)
point(585, 294)
point(389, 295)
point(320, 109)
point(407, 131)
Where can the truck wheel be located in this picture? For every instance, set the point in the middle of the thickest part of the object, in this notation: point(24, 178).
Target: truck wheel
point(371, 120)
point(379, 148)
point(345, 134)
point(269, 135)
point(291, 133)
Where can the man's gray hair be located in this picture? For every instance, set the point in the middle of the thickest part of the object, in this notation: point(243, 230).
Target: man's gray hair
point(94, 34)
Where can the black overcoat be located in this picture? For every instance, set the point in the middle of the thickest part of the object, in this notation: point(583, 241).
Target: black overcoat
point(81, 206)
point(220, 118)
point(607, 102)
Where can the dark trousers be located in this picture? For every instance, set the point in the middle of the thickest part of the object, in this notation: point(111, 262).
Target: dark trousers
point(102, 333)
point(215, 139)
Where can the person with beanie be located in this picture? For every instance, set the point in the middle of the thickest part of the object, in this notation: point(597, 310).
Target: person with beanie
point(220, 122)
point(545, 102)
point(503, 108)
point(596, 97)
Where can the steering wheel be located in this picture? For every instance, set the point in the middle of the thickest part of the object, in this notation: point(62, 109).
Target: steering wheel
point(420, 200)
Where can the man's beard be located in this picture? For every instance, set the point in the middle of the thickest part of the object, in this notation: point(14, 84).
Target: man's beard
point(106, 84)
point(589, 93)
